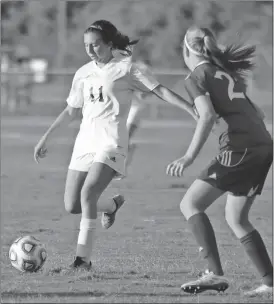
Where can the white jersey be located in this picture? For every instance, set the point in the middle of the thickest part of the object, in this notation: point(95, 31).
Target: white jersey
point(105, 95)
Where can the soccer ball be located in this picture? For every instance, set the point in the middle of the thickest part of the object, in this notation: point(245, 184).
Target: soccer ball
point(27, 254)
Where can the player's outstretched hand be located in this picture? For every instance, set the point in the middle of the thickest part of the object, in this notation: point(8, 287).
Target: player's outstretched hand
point(40, 150)
point(177, 167)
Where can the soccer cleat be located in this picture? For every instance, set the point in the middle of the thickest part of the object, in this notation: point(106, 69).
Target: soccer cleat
point(108, 219)
point(261, 290)
point(80, 264)
point(208, 281)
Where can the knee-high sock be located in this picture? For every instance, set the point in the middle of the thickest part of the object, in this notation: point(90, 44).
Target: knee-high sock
point(86, 239)
point(255, 249)
point(205, 237)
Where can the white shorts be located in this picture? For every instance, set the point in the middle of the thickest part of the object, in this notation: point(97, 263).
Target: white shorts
point(114, 160)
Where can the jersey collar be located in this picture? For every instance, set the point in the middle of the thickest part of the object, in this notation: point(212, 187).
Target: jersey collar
point(200, 63)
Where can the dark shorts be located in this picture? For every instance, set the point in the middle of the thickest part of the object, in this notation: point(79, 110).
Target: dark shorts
point(241, 173)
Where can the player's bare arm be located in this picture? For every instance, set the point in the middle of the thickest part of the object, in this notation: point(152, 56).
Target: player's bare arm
point(66, 116)
point(175, 99)
point(206, 120)
point(207, 117)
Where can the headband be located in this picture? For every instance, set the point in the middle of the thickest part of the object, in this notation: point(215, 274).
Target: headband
point(96, 27)
point(99, 28)
point(190, 48)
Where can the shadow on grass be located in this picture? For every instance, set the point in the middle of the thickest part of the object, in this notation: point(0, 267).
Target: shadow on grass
point(151, 294)
point(82, 274)
point(9, 294)
point(98, 294)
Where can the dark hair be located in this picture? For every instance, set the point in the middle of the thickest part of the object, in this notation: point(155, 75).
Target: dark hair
point(234, 59)
point(111, 34)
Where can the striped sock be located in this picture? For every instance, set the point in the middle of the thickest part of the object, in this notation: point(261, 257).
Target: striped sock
point(255, 249)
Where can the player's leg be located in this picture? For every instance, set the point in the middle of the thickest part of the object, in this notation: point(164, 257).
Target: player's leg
point(74, 183)
point(133, 123)
point(237, 211)
point(238, 205)
point(98, 178)
point(72, 197)
point(110, 207)
point(236, 214)
point(197, 199)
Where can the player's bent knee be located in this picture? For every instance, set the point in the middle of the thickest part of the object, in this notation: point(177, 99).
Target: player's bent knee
point(231, 220)
point(73, 207)
point(236, 222)
point(186, 209)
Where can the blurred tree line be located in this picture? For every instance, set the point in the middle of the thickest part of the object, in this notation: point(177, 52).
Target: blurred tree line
point(160, 25)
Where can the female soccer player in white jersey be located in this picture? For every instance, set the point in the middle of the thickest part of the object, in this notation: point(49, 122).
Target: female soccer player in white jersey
point(216, 86)
point(103, 89)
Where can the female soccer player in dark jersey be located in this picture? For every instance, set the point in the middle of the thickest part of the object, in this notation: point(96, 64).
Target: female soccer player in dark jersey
point(217, 89)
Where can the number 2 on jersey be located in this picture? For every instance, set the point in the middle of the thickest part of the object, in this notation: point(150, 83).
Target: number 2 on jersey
point(231, 84)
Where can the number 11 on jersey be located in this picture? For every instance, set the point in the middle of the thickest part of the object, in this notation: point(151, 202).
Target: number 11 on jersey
point(100, 95)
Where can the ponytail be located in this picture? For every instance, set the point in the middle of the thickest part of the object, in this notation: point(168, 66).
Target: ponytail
point(123, 43)
point(234, 59)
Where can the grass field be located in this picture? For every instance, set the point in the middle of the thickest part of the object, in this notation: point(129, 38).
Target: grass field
point(147, 254)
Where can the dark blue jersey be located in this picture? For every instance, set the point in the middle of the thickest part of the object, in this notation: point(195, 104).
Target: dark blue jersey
point(242, 125)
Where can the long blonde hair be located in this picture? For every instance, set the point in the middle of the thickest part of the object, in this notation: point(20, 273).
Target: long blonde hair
point(235, 58)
